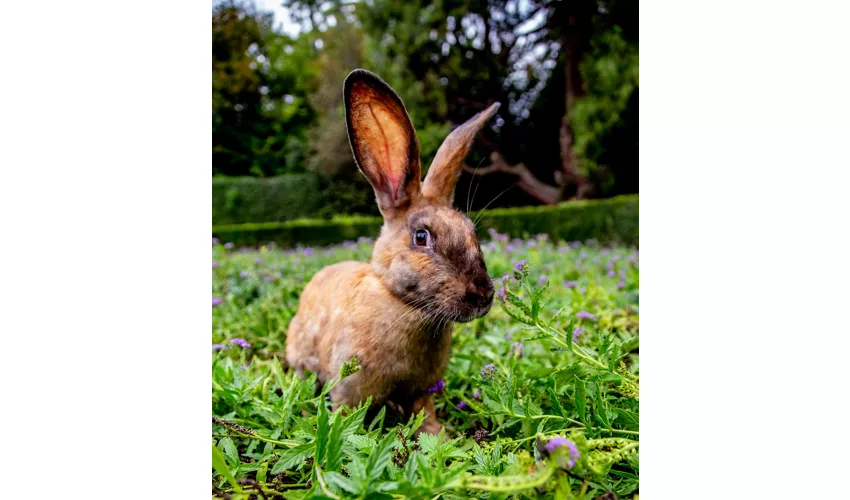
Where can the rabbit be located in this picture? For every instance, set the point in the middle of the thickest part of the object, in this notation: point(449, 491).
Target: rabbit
point(395, 313)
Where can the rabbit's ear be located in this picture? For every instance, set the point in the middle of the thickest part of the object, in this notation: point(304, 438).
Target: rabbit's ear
point(439, 185)
point(383, 140)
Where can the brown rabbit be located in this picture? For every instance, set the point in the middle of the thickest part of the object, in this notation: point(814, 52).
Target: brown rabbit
point(395, 313)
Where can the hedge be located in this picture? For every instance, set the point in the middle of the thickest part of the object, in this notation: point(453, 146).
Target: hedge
point(237, 200)
point(613, 219)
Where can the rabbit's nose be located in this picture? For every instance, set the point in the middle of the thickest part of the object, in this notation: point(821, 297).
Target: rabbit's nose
point(479, 294)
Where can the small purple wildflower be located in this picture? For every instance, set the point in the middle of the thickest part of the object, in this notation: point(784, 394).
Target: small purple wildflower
point(611, 273)
point(228, 245)
point(215, 241)
point(508, 336)
point(542, 280)
point(585, 315)
point(570, 284)
point(578, 331)
point(258, 261)
point(476, 394)
point(488, 370)
point(349, 244)
point(575, 244)
point(557, 442)
point(308, 251)
point(215, 265)
point(461, 405)
point(241, 343)
point(270, 279)
point(509, 248)
point(492, 245)
point(582, 290)
point(244, 274)
point(217, 347)
point(542, 237)
point(216, 301)
point(516, 349)
point(520, 269)
point(621, 285)
point(502, 294)
point(564, 249)
point(438, 387)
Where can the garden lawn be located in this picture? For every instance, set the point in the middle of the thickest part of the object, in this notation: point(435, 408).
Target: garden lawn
point(540, 398)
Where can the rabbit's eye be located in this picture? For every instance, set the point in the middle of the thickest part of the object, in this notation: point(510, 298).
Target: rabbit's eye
point(422, 237)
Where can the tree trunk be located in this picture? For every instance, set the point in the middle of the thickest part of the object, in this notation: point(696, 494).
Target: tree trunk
point(573, 46)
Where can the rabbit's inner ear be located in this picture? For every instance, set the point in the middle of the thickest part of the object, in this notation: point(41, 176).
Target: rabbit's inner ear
point(383, 140)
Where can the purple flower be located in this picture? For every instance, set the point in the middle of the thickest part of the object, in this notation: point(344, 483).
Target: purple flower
point(520, 269)
point(516, 349)
point(542, 280)
point(492, 245)
point(575, 244)
point(578, 331)
point(461, 405)
point(258, 261)
point(508, 336)
point(215, 241)
point(621, 285)
point(557, 442)
point(364, 239)
point(241, 343)
point(604, 251)
point(583, 290)
point(349, 244)
point(217, 347)
point(564, 249)
point(270, 279)
point(585, 315)
point(570, 284)
point(215, 265)
point(488, 370)
point(439, 386)
point(611, 273)
point(509, 248)
point(542, 237)
point(244, 274)
point(217, 301)
point(476, 394)
point(502, 294)
point(308, 251)
point(228, 245)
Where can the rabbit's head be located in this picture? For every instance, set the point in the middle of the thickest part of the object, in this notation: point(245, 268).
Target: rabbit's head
point(427, 254)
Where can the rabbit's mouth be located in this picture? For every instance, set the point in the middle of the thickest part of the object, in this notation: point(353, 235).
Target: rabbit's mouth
point(471, 311)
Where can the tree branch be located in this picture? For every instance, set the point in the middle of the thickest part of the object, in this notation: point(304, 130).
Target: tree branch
point(527, 181)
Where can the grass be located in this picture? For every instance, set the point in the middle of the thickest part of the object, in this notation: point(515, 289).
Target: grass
point(518, 378)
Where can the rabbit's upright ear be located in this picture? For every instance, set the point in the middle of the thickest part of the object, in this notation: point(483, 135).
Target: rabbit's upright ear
point(383, 140)
point(439, 185)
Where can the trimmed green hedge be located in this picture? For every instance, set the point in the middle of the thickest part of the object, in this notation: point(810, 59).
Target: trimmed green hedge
point(613, 219)
point(237, 200)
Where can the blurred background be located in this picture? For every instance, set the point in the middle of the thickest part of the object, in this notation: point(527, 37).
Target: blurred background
point(566, 73)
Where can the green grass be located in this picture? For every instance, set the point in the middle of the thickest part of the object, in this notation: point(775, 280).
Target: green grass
point(274, 435)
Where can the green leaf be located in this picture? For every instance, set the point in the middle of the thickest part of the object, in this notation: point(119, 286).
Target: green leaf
point(341, 482)
point(334, 453)
point(380, 458)
point(220, 466)
point(428, 443)
point(378, 421)
point(230, 451)
point(581, 400)
point(293, 456)
point(601, 409)
point(321, 432)
point(362, 443)
point(553, 398)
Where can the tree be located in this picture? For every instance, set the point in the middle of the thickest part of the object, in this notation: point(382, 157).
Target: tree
point(260, 84)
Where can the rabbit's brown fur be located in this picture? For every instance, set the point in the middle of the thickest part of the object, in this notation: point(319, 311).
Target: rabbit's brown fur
point(395, 313)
